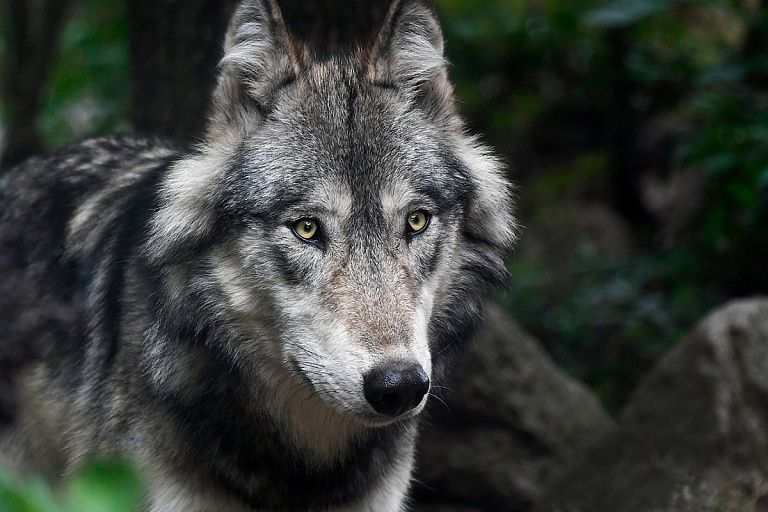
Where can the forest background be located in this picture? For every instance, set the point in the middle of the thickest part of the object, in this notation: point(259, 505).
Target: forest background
point(635, 130)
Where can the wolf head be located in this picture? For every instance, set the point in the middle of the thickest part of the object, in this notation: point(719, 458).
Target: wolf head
point(334, 233)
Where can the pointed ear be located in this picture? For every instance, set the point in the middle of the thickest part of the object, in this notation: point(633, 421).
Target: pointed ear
point(259, 56)
point(408, 52)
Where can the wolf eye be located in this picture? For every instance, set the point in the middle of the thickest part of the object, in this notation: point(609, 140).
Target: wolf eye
point(418, 221)
point(306, 229)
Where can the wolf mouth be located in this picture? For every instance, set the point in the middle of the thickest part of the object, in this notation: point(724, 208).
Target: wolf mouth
point(380, 408)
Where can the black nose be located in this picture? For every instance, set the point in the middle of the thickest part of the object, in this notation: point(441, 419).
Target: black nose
point(395, 388)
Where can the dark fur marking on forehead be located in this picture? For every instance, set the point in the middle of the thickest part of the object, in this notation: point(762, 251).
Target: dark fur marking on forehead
point(449, 185)
point(287, 80)
point(351, 98)
point(240, 196)
point(460, 177)
point(386, 84)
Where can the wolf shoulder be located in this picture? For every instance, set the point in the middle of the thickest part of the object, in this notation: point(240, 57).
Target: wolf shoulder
point(78, 169)
point(77, 190)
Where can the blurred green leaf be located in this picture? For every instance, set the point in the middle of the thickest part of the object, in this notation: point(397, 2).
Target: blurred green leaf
point(622, 13)
point(30, 495)
point(90, 80)
point(604, 319)
point(105, 484)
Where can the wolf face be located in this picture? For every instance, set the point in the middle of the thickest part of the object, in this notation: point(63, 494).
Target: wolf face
point(352, 244)
point(355, 206)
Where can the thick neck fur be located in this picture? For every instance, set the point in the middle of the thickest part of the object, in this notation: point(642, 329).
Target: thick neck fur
point(261, 434)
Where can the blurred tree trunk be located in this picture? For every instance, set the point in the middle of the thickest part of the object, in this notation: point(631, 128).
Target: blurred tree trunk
point(32, 29)
point(625, 122)
point(175, 47)
point(756, 47)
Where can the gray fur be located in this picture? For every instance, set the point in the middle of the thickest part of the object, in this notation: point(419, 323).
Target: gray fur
point(223, 353)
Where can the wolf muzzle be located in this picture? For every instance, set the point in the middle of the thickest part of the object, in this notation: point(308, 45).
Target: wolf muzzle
point(395, 388)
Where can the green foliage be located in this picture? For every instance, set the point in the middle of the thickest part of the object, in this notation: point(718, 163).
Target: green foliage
point(624, 13)
point(606, 320)
point(733, 148)
point(90, 81)
point(104, 484)
point(549, 81)
point(32, 495)
point(512, 61)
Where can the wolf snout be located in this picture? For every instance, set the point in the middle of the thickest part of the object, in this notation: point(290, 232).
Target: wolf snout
point(395, 388)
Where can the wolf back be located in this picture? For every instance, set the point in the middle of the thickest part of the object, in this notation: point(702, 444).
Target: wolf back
point(260, 319)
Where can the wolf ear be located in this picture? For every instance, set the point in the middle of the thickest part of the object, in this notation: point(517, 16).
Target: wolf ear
point(259, 56)
point(408, 53)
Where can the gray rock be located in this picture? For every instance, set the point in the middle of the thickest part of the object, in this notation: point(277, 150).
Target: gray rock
point(694, 437)
point(513, 419)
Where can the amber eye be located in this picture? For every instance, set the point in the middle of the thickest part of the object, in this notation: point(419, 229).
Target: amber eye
point(418, 221)
point(306, 229)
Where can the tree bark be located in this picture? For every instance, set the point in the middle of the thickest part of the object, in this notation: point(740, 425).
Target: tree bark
point(32, 31)
point(625, 121)
point(176, 46)
point(756, 46)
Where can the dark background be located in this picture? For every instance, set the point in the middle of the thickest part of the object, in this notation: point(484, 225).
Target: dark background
point(636, 130)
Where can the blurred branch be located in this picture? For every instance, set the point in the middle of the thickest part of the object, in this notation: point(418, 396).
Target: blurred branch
point(625, 123)
point(32, 29)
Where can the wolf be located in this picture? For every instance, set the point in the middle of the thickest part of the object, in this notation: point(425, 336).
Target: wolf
point(260, 318)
